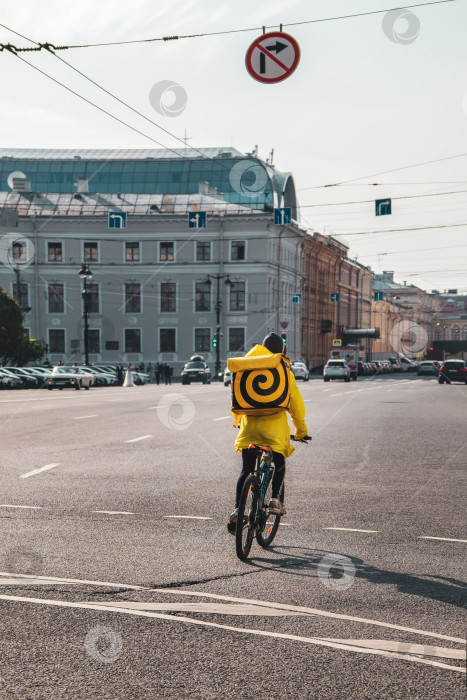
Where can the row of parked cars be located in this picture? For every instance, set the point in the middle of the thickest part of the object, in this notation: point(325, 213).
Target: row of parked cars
point(63, 376)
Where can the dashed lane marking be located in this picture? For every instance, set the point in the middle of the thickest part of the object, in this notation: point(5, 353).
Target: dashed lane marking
point(114, 512)
point(187, 517)
point(143, 437)
point(41, 469)
point(92, 415)
point(8, 505)
point(349, 529)
point(443, 539)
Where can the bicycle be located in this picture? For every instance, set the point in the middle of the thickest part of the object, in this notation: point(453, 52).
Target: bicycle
point(254, 519)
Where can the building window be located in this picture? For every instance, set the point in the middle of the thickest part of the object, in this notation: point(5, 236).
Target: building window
point(168, 297)
point(133, 298)
point(93, 298)
point(54, 252)
point(464, 333)
point(455, 332)
point(203, 250)
point(132, 340)
point(56, 340)
point(24, 295)
point(237, 250)
point(132, 252)
point(236, 339)
point(437, 335)
point(202, 339)
point(19, 252)
point(167, 340)
point(94, 341)
point(90, 252)
point(166, 251)
point(56, 300)
point(202, 296)
point(237, 296)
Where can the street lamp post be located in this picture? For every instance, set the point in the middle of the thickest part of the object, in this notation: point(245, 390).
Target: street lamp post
point(85, 274)
point(217, 336)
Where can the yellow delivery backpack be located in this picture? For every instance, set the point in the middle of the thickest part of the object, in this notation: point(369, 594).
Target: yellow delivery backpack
point(260, 384)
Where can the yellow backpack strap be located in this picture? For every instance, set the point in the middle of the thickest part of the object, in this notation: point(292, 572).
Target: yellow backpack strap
point(237, 421)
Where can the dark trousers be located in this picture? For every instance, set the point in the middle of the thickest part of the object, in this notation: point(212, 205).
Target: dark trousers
point(248, 467)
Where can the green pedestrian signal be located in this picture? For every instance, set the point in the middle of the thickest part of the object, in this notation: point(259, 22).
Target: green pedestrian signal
point(214, 341)
point(284, 338)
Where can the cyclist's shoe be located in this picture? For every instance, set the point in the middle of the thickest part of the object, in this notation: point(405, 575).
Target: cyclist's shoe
point(276, 507)
point(232, 524)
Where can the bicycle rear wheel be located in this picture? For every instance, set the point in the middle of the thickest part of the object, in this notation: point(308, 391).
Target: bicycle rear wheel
point(247, 509)
point(266, 534)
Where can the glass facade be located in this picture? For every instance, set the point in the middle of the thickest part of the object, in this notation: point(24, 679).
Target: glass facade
point(244, 180)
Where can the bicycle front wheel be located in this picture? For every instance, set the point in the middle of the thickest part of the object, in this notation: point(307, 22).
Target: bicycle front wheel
point(266, 533)
point(247, 509)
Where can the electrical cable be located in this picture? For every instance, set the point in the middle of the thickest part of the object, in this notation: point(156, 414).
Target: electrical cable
point(48, 45)
point(370, 201)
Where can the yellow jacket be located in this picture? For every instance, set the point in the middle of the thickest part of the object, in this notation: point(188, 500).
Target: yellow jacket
point(273, 430)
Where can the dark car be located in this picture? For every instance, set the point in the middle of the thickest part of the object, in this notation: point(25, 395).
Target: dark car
point(453, 371)
point(196, 371)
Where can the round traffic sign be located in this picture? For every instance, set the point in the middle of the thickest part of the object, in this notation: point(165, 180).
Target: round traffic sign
point(272, 57)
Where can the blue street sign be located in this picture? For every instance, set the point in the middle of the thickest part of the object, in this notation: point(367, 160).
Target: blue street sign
point(335, 296)
point(283, 215)
point(296, 298)
point(382, 207)
point(378, 296)
point(197, 219)
point(117, 219)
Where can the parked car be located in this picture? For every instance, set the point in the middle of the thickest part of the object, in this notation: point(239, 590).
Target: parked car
point(30, 381)
point(396, 365)
point(227, 377)
point(300, 371)
point(387, 367)
point(453, 371)
point(10, 380)
point(102, 378)
point(75, 377)
point(196, 371)
point(407, 365)
point(336, 369)
point(427, 368)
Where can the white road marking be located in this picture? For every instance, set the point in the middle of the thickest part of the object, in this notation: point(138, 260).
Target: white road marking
point(38, 471)
point(143, 437)
point(30, 577)
point(187, 517)
point(223, 418)
point(8, 505)
point(114, 512)
point(92, 415)
point(349, 529)
point(214, 608)
point(105, 607)
point(443, 539)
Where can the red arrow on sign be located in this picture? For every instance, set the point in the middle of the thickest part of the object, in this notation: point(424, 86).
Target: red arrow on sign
point(262, 60)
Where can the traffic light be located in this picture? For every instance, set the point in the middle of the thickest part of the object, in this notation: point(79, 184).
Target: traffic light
point(215, 340)
point(284, 339)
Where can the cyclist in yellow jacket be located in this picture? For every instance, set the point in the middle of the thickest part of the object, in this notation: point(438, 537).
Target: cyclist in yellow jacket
point(272, 430)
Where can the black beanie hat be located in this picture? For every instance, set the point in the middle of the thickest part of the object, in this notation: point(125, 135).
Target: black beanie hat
point(274, 343)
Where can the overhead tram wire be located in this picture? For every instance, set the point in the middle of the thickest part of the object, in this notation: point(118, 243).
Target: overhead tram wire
point(46, 45)
point(384, 172)
point(370, 201)
point(186, 145)
point(169, 133)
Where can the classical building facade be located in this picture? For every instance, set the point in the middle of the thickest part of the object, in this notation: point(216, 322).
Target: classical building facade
point(160, 290)
point(328, 270)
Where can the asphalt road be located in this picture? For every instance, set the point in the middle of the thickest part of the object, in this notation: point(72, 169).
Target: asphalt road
point(118, 578)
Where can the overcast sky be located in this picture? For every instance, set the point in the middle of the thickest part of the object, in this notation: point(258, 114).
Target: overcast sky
point(364, 99)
